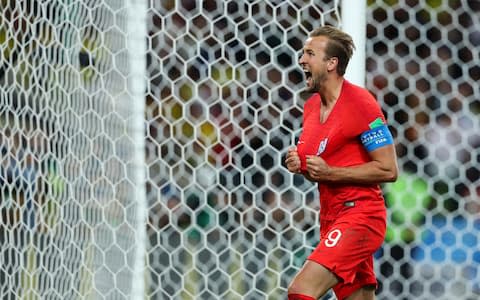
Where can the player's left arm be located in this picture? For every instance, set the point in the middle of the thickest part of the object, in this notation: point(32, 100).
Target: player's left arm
point(381, 168)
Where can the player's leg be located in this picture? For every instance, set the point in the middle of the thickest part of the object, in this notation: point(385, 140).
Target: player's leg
point(364, 293)
point(347, 250)
point(364, 284)
point(313, 281)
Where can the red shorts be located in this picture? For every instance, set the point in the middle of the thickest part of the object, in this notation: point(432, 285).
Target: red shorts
point(346, 248)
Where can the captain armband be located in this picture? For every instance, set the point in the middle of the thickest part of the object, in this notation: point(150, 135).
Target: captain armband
point(376, 137)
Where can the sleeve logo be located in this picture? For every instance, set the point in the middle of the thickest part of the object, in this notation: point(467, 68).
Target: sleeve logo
point(376, 123)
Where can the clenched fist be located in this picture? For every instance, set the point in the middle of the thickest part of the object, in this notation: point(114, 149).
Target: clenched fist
point(317, 168)
point(293, 160)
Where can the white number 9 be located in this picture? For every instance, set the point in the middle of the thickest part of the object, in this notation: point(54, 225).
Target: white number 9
point(333, 237)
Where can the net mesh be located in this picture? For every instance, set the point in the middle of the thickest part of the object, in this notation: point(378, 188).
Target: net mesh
point(223, 103)
point(422, 66)
point(68, 222)
point(226, 220)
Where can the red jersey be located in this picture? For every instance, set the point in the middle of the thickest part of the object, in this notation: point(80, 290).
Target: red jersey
point(337, 141)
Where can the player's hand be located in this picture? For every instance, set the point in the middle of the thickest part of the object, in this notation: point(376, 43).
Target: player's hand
point(293, 160)
point(317, 168)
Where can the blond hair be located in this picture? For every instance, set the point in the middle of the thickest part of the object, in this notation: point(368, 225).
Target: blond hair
point(340, 45)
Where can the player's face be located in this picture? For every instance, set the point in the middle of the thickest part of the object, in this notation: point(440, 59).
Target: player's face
point(313, 62)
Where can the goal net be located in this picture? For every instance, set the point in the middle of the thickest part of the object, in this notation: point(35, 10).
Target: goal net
point(226, 220)
point(170, 119)
point(69, 223)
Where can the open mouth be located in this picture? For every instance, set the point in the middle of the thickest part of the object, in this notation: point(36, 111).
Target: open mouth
point(308, 76)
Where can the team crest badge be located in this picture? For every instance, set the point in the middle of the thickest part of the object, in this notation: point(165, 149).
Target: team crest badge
point(322, 146)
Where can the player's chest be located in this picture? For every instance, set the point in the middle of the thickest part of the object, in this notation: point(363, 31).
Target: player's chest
point(319, 138)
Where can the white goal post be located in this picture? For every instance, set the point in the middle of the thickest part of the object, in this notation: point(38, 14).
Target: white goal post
point(354, 22)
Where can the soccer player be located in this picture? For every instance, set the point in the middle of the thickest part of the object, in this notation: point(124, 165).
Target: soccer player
point(346, 147)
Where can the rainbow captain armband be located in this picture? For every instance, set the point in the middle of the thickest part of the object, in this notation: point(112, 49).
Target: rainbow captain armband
point(378, 136)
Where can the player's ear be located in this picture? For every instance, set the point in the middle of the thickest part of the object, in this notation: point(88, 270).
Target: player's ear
point(332, 63)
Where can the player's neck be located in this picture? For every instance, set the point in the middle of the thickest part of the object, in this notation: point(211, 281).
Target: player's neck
point(331, 90)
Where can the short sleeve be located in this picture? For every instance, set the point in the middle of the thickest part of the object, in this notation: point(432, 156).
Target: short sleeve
point(365, 114)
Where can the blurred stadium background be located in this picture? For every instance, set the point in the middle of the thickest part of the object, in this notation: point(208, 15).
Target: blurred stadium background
point(142, 147)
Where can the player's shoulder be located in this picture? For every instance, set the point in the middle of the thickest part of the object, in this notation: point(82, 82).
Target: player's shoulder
point(363, 105)
point(359, 94)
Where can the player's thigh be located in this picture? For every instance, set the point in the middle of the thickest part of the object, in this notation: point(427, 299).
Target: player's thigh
point(313, 279)
point(346, 246)
point(364, 293)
